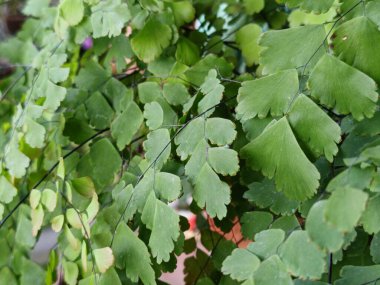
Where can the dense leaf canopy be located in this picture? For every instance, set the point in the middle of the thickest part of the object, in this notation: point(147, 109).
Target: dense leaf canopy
point(119, 119)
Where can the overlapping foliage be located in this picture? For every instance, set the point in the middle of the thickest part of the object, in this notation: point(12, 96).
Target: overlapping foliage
point(262, 113)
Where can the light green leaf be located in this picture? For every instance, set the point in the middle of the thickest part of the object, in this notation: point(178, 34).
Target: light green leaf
point(73, 218)
point(344, 88)
point(354, 40)
point(167, 186)
point(241, 264)
point(183, 12)
point(108, 18)
point(188, 139)
point(149, 43)
point(277, 154)
point(320, 232)
point(49, 199)
point(220, 131)
point(176, 93)
point(71, 271)
point(253, 6)
point(291, 48)
point(154, 115)
point(302, 257)
point(37, 216)
point(57, 223)
point(104, 258)
point(223, 160)
point(268, 95)
point(211, 192)
point(345, 207)
point(213, 93)
point(272, 271)
point(372, 11)
point(72, 11)
point(163, 221)
point(371, 215)
point(7, 190)
point(255, 222)
point(375, 248)
point(35, 133)
point(15, 160)
point(197, 160)
point(132, 254)
point(126, 125)
point(354, 275)
point(35, 8)
point(247, 38)
point(314, 127)
point(267, 243)
point(157, 147)
point(34, 197)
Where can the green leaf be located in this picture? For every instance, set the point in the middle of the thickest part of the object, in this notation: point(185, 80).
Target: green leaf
point(91, 76)
point(320, 232)
point(34, 197)
point(354, 275)
point(35, 133)
point(157, 147)
point(72, 11)
point(101, 163)
point(183, 12)
point(241, 264)
point(268, 95)
point(108, 18)
point(375, 248)
point(253, 6)
point(211, 192)
point(132, 254)
point(338, 85)
point(223, 160)
point(291, 48)
point(197, 73)
point(126, 125)
point(247, 38)
point(302, 257)
point(314, 127)
point(35, 8)
point(267, 243)
point(372, 11)
point(272, 271)
point(345, 207)
point(15, 160)
point(103, 258)
point(213, 93)
point(99, 111)
point(57, 223)
point(371, 215)
point(277, 154)
point(31, 273)
point(49, 199)
point(354, 40)
point(187, 52)
point(255, 222)
point(37, 216)
point(167, 186)
point(265, 195)
point(71, 271)
point(149, 43)
point(317, 7)
point(220, 131)
point(154, 115)
point(175, 93)
point(7, 190)
point(162, 238)
point(188, 139)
